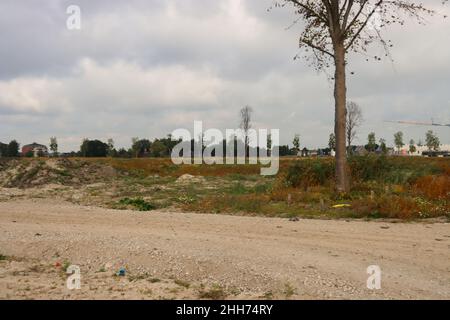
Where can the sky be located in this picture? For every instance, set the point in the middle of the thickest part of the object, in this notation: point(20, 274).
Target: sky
point(143, 68)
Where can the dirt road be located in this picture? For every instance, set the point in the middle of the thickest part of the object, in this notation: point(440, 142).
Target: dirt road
point(176, 255)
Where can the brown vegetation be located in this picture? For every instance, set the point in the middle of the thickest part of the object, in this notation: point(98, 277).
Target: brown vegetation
point(382, 187)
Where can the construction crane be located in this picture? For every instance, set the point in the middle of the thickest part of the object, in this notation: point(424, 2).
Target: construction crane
point(432, 123)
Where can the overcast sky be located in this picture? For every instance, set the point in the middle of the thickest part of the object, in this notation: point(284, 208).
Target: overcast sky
point(142, 68)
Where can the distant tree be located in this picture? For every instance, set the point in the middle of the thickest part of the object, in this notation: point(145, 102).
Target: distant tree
point(158, 149)
point(170, 143)
point(140, 147)
point(135, 146)
point(284, 151)
point(371, 142)
point(354, 120)
point(420, 143)
point(246, 125)
point(332, 142)
point(13, 149)
point(54, 146)
point(123, 153)
point(111, 149)
point(93, 148)
point(383, 146)
point(398, 140)
point(432, 141)
point(412, 146)
point(3, 150)
point(199, 146)
point(83, 147)
point(296, 143)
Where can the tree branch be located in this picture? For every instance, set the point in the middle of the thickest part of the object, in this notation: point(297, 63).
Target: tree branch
point(312, 45)
point(310, 10)
point(361, 28)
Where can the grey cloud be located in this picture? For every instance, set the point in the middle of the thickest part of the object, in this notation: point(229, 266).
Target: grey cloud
point(144, 68)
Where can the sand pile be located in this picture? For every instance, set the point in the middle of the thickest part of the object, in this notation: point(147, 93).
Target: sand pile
point(28, 173)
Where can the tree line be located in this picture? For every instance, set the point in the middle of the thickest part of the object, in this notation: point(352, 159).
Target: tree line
point(9, 150)
point(162, 147)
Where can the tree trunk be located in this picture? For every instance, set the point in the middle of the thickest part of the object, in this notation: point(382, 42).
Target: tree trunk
point(340, 98)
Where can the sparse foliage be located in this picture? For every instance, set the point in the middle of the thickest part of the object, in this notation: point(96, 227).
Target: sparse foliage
point(296, 143)
point(269, 144)
point(332, 142)
point(111, 150)
point(246, 124)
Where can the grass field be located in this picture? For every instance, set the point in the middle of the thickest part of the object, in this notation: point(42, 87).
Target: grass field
point(382, 187)
point(395, 187)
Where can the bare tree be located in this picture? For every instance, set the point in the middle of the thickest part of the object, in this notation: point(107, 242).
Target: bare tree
point(332, 29)
point(354, 120)
point(110, 147)
point(246, 125)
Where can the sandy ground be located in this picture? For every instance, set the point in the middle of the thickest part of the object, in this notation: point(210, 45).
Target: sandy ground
point(178, 256)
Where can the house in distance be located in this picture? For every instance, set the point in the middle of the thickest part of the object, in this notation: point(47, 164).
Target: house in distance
point(34, 150)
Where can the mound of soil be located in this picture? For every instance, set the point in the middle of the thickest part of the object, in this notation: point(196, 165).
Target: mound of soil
point(37, 172)
point(187, 178)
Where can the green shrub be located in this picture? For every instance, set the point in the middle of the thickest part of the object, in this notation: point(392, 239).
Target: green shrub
point(138, 203)
point(238, 188)
point(214, 293)
point(306, 173)
point(370, 167)
point(262, 188)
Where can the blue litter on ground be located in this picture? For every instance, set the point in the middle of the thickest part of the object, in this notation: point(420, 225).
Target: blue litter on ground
point(122, 272)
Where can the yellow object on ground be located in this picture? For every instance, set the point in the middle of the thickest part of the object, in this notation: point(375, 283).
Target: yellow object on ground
point(341, 206)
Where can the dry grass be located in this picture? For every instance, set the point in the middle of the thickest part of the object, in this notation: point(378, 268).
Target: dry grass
point(434, 187)
point(214, 293)
point(397, 187)
point(165, 167)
